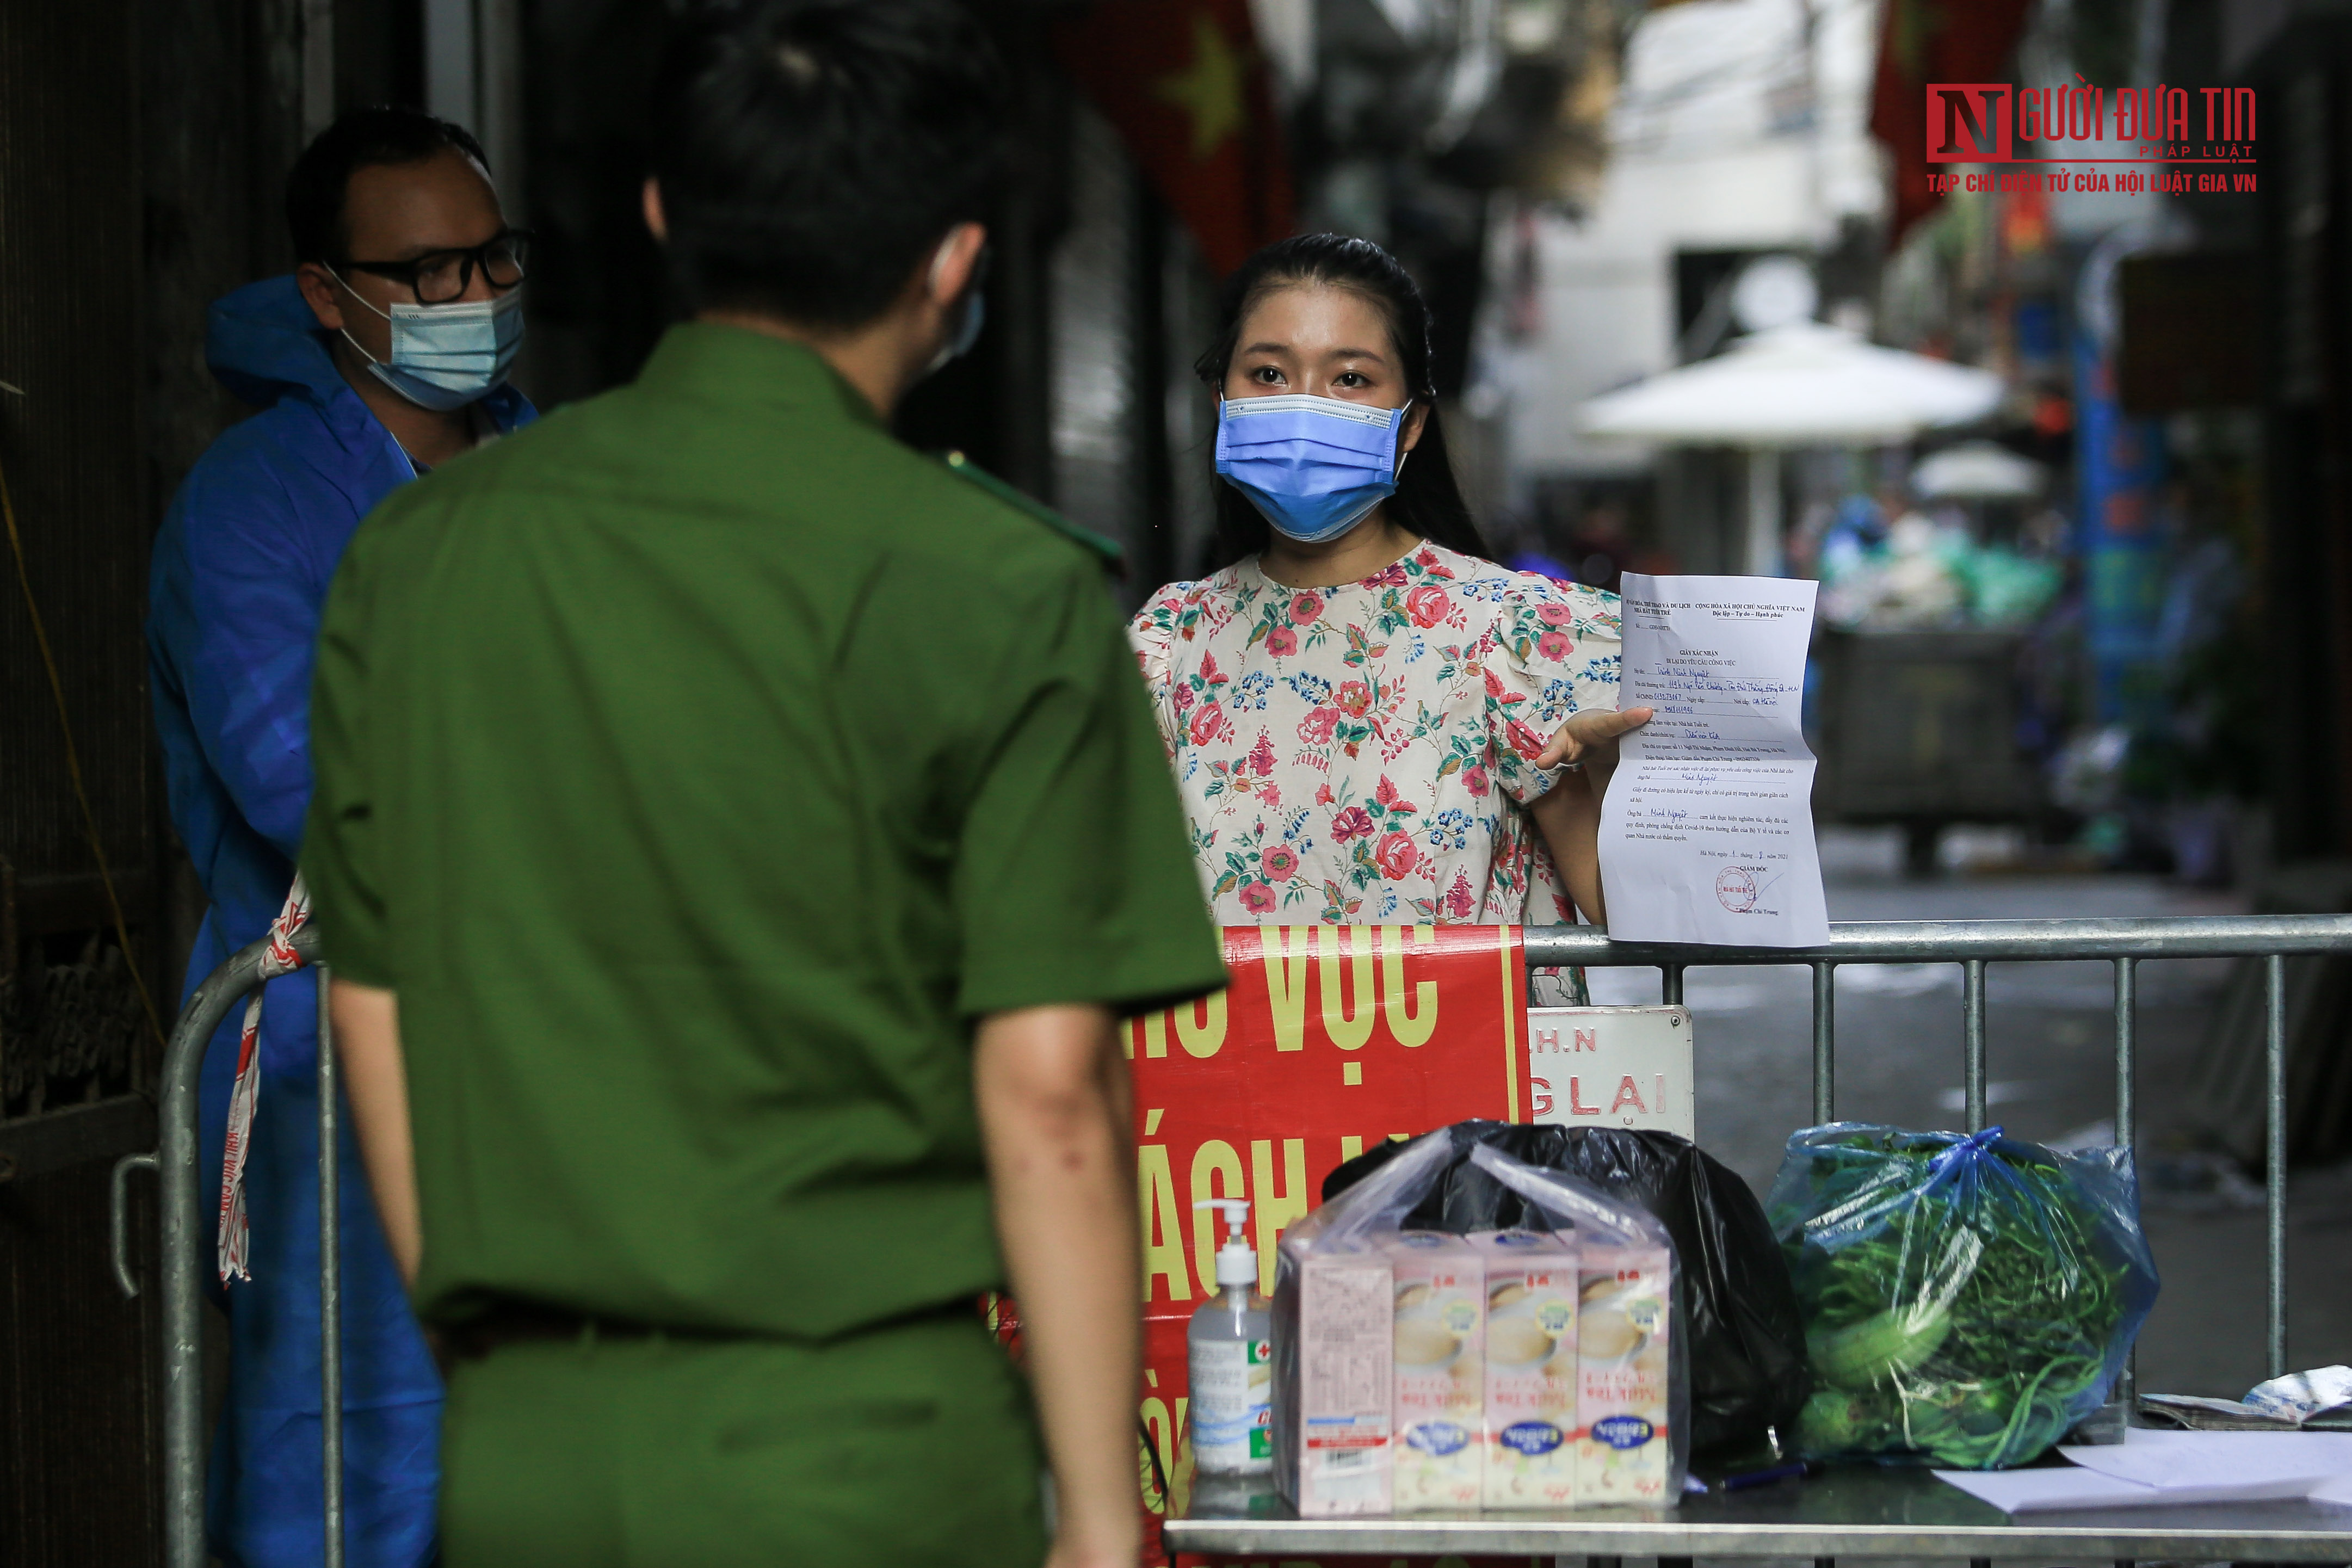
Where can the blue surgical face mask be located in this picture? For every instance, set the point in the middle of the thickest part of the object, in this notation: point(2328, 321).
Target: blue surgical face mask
point(1314, 466)
point(446, 356)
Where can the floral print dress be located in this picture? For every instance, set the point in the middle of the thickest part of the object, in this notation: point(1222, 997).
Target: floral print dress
point(1359, 755)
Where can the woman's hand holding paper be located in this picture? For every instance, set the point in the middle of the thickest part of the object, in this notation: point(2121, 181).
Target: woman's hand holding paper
point(1591, 736)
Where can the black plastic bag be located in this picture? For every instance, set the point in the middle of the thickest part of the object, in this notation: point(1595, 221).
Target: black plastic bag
point(1746, 1335)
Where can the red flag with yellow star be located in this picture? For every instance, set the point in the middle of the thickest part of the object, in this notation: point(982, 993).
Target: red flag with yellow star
point(1184, 83)
point(1923, 41)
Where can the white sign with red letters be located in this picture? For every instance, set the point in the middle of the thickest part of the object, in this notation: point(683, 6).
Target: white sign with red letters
point(1612, 1067)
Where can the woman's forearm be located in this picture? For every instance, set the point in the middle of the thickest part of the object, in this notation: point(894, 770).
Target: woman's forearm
point(1569, 817)
point(1052, 1097)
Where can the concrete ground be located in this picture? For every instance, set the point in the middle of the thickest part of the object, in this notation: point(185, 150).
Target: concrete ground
point(2049, 1072)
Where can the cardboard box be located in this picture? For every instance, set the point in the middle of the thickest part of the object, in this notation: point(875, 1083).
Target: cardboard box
point(1531, 1385)
point(1441, 1395)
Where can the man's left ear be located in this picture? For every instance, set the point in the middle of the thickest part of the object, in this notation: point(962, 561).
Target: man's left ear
point(1415, 419)
point(319, 293)
point(952, 262)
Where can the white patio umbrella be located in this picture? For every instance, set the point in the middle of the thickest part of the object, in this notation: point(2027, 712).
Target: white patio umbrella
point(1803, 384)
point(1978, 470)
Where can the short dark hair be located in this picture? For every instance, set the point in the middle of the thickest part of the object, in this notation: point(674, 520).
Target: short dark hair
point(811, 152)
point(321, 180)
point(1428, 502)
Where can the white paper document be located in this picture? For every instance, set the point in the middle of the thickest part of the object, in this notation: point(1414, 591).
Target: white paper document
point(1706, 835)
point(2182, 1461)
point(2171, 1469)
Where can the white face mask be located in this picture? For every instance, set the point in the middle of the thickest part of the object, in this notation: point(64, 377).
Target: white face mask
point(446, 356)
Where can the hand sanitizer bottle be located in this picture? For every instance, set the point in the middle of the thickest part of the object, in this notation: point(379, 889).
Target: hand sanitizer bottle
point(1231, 1347)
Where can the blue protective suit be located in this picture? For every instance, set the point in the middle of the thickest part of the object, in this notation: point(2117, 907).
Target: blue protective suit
point(239, 578)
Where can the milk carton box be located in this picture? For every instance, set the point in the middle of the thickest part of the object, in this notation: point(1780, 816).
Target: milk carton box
point(1334, 1334)
point(1623, 1331)
point(1531, 1326)
point(1441, 1315)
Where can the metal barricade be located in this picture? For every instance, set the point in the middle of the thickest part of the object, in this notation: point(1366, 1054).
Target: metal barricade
point(187, 1250)
point(1971, 944)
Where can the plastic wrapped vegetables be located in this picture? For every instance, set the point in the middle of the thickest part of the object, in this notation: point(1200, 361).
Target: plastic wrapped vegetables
point(1967, 1298)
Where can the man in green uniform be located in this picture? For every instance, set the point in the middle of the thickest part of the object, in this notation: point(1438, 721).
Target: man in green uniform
point(735, 836)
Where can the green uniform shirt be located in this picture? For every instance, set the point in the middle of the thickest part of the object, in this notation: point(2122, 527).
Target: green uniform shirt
point(697, 766)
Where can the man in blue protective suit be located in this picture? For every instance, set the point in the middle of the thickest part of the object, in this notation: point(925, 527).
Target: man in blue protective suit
point(384, 356)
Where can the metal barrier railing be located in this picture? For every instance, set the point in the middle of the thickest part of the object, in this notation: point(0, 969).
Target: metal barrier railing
point(2126, 943)
point(1972, 944)
point(186, 1248)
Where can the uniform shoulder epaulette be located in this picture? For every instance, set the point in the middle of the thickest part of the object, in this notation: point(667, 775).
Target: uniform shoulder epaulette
point(965, 468)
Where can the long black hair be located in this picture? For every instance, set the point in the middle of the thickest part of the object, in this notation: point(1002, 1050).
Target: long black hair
point(1427, 501)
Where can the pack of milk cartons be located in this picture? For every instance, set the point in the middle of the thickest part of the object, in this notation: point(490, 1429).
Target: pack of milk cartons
point(1418, 1371)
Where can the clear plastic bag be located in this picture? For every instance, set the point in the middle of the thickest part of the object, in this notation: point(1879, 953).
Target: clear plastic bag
point(1743, 1337)
point(1968, 1297)
point(1540, 1368)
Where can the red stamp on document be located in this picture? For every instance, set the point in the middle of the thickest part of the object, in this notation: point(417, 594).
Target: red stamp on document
point(1735, 889)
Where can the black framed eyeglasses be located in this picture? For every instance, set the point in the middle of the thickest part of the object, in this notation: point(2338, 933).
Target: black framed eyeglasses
point(440, 276)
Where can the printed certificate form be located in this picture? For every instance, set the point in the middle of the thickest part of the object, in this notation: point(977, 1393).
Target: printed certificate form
point(1706, 835)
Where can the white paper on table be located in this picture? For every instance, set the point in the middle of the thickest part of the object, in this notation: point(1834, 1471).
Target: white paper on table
point(2057, 1486)
point(2045, 1490)
point(2150, 1468)
point(2180, 1460)
point(1706, 834)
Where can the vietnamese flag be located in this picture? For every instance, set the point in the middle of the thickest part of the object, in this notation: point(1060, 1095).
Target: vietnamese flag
point(1925, 41)
point(1184, 83)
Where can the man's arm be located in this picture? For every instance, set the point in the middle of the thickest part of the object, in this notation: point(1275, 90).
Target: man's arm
point(1054, 1111)
point(367, 1047)
point(234, 607)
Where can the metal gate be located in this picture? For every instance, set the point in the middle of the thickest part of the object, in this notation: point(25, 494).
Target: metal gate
point(1971, 944)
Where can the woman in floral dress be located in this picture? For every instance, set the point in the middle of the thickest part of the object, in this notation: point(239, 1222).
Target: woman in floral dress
point(1370, 722)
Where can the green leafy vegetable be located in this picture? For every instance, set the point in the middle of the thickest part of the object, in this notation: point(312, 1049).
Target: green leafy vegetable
point(1863, 1354)
point(1964, 1302)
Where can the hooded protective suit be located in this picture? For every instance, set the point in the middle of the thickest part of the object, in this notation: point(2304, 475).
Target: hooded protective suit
point(239, 576)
